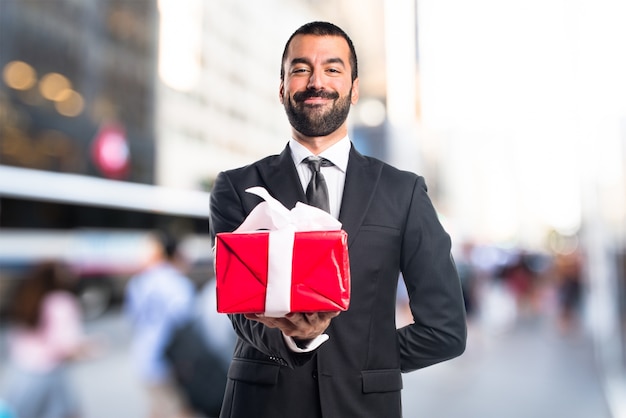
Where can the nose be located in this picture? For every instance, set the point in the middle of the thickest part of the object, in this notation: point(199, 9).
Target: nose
point(315, 80)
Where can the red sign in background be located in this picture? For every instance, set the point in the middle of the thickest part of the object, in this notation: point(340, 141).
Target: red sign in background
point(110, 152)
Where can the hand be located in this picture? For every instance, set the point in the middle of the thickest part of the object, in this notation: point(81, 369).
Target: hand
point(301, 326)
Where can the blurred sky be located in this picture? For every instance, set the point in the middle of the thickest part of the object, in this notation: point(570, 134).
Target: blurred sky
point(528, 102)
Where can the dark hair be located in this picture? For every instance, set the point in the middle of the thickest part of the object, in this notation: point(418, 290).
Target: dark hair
point(322, 29)
point(169, 242)
point(43, 278)
point(170, 245)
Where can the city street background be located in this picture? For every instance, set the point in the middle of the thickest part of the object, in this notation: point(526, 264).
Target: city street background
point(116, 116)
point(529, 370)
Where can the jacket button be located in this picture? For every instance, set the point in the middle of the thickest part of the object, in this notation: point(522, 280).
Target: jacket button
point(314, 374)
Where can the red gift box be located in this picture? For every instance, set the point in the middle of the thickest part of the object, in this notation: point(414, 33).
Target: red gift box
point(320, 271)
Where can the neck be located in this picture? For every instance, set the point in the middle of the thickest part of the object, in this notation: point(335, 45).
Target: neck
point(317, 144)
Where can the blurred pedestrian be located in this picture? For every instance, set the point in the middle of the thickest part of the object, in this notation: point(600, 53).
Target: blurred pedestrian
point(217, 328)
point(522, 281)
point(498, 306)
point(569, 281)
point(45, 334)
point(200, 352)
point(469, 277)
point(325, 364)
point(158, 300)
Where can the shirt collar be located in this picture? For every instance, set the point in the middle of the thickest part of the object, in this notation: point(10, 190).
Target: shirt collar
point(338, 153)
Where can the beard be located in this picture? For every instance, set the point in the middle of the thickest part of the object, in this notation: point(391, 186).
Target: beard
point(316, 120)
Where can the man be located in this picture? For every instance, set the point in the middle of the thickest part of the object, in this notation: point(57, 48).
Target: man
point(283, 367)
point(158, 299)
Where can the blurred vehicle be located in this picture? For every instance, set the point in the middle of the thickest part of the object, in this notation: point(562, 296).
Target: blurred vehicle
point(103, 259)
point(98, 226)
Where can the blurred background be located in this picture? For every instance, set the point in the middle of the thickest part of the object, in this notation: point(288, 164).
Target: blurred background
point(117, 115)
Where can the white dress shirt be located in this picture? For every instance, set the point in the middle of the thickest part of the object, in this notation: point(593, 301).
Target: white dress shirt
point(335, 175)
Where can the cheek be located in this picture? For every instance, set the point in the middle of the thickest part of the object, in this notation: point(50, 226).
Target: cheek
point(295, 84)
point(286, 94)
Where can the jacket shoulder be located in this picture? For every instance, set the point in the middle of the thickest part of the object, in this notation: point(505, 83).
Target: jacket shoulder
point(252, 167)
point(390, 173)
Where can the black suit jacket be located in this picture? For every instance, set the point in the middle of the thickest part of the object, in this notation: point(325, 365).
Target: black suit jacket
point(392, 228)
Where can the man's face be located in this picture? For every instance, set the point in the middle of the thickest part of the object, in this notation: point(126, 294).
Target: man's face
point(317, 89)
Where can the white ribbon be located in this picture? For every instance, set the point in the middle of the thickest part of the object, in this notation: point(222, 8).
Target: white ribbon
point(282, 223)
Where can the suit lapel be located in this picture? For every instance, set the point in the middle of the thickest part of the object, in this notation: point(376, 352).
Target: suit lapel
point(362, 178)
point(285, 188)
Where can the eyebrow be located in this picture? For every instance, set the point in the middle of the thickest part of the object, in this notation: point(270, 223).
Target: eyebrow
point(308, 62)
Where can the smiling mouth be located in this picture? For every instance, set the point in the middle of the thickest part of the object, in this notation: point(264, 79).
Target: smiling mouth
point(315, 100)
point(314, 97)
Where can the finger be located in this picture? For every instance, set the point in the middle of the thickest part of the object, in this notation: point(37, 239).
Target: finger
point(328, 315)
point(297, 319)
point(317, 317)
point(265, 320)
point(312, 318)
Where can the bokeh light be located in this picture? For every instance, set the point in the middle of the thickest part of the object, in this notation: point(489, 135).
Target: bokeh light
point(53, 86)
point(19, 75)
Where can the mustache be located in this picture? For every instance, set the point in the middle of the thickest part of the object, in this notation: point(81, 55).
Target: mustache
point(307, 94)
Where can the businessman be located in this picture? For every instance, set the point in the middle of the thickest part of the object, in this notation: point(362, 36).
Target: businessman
point(326, 364)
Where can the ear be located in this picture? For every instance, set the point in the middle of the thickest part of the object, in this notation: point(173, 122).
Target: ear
point(281, 91)
point(355, 92)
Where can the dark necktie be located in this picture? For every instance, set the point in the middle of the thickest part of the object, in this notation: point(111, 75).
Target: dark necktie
point(316, 191)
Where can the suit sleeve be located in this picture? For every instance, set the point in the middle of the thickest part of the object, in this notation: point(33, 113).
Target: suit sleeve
point(228, 211)
point(439, 330)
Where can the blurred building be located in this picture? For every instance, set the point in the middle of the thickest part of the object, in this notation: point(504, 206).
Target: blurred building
point(219, 74)
point(77, 96)
point(78, 93)
point(155, 93)
point(76, 74)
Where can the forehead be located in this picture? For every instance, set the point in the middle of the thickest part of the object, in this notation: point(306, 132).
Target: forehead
point(322, 48)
